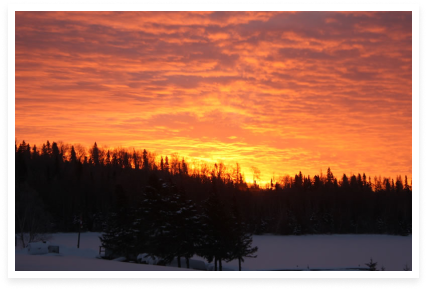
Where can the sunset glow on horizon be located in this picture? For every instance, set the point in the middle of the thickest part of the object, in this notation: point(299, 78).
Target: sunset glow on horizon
point(282, 92)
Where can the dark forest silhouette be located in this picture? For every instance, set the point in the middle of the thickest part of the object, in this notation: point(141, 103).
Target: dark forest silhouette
point(200, 208)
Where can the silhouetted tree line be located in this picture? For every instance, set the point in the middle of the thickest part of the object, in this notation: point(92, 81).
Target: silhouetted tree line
point(64, 182)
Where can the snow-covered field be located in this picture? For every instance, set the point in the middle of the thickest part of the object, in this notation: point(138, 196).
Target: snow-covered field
point(274, 253)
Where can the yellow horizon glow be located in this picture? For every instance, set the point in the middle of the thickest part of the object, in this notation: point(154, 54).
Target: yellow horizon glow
point(283, 92)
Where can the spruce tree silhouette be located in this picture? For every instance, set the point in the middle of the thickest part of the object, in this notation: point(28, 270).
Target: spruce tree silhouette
point(241, 240)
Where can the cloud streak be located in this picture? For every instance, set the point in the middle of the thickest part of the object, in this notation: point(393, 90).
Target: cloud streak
point(294, 90)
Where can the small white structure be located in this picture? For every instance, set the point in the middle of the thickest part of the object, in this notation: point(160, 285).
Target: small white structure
point(41, 248)
point(38, 248)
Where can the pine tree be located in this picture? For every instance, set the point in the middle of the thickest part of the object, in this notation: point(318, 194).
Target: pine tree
point(22, 160)
point(145, 160)
point(35, 153)
point(73, 156)
point(215, 243)
point(95, 154)
point(166, 165)
point(186, 227)
point(108, 158)
point(119, 238)
point(344, 181)
point(184, 167)
point(406, 187)
point(135, 159)
point(241, 239)
point(157, 212)
point(161, 163)
point(329, 176)
point(48, 148)
point(57, 159)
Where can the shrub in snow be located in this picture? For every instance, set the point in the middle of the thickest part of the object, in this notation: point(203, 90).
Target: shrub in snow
point(372, 265)
point(145, 259)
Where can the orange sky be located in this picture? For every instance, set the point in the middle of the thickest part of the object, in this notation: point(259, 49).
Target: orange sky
point(283, 92)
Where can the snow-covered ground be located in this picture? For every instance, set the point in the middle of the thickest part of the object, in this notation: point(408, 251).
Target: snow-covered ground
point(274, 253)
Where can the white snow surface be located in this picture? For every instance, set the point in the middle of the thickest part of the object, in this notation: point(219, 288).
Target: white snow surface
point(274, 253)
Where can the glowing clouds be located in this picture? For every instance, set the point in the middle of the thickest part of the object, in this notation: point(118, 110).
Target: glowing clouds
point(279, 91)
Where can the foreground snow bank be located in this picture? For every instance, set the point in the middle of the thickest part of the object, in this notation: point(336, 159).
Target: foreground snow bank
point(79, 263)
point(193, 264)
point(316, 252)
point(329, 251)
